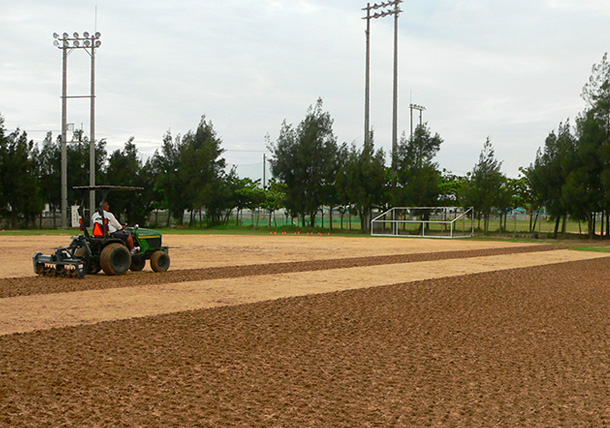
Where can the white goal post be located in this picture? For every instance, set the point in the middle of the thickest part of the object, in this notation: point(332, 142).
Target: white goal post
point(425, 222)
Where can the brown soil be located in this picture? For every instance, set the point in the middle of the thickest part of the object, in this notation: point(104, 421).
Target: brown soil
point(205, 251)
point(10, 287)
point(507, 346)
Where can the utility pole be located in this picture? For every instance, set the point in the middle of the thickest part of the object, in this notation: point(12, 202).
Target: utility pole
point(92, 135)
point(396, 12)
point(416, 107)
point(367, 73)
point(389, 8)
point(64, 140)
point(67, 44)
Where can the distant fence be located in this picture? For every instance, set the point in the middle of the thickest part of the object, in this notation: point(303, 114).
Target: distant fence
point(342, 219)
point(514, 223)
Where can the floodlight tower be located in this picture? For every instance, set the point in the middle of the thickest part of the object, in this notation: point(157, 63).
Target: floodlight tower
point(416, 107)
point(389, 8)
point(88, 42)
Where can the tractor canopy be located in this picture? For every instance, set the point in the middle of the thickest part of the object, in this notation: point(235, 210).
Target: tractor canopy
point(104, 189)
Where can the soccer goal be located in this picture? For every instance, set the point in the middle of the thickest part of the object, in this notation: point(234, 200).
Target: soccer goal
point(425, 222)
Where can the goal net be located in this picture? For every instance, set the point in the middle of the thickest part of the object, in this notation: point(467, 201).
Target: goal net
point(425, 222)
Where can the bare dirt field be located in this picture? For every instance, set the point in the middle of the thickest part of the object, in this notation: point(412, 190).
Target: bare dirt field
point(310, 331)
point(204, 251)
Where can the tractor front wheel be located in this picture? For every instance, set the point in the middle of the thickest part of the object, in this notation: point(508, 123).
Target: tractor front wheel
point(159, 261)
point(137, 263)
point(115, 259)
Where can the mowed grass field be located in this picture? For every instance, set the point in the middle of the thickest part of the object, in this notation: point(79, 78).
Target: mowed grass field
point(310, 331)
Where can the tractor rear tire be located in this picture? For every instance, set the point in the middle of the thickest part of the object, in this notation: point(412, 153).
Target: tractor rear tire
point(115, 259)
point(137, 263)
point(159, 261)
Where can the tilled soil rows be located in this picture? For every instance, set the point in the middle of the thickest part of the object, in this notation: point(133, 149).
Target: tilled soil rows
point(521, 347)
point(207, 251)
point(10, 287)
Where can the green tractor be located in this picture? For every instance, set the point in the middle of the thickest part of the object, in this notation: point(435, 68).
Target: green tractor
point(91, 252)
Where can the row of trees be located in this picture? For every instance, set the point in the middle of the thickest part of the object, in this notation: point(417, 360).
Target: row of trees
point(570, 175)
point(319, 172)
point(188, 174)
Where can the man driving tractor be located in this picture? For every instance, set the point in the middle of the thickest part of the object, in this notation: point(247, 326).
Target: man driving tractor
point(110, 247)
point(115, 229)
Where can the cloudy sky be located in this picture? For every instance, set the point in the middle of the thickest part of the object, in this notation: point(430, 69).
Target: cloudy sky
point(508, 70)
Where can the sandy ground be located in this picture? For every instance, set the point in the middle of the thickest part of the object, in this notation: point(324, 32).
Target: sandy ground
point(310, 331)
point(203, 251)
point(91, 305)
point(37, 312)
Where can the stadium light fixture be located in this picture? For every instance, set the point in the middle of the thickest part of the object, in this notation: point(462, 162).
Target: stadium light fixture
point(420, 109)
point(67, 44)
point(388, 8)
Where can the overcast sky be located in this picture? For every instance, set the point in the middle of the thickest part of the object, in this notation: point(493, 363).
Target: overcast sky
point(510, 70)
